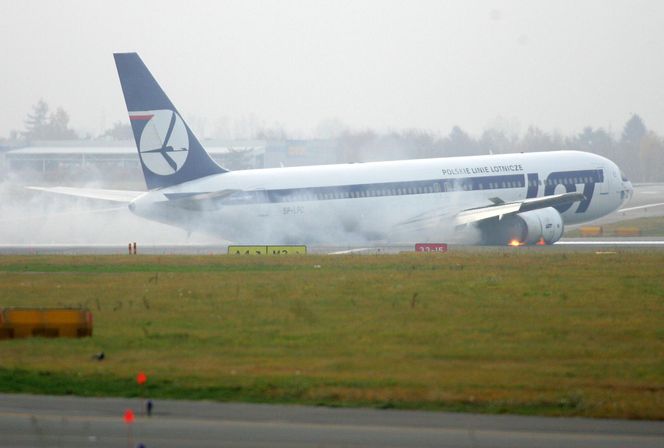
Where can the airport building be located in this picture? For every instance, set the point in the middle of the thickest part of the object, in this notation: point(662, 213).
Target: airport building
point(52, 160)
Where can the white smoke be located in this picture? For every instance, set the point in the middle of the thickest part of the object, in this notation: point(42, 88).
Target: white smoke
point(32, 217)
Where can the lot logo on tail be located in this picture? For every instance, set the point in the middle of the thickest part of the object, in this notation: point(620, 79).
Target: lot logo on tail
point(164, 141)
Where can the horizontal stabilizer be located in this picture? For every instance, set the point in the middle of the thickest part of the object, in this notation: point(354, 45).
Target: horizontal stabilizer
point(198, 201)
point(124, 196)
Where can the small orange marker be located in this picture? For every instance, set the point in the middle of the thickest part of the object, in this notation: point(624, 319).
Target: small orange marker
point(129, 416)
point(141, 378)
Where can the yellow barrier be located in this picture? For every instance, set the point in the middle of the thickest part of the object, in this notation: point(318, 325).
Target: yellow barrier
point(47, 322)
point(627, 231)
point(591, 231)
point(267, 250)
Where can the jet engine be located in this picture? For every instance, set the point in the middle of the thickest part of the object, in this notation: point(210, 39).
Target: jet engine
point(542, 226)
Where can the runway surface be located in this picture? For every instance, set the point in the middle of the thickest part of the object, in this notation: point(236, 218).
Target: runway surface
point(569, 244)
point(47, 421)
point(647, 202)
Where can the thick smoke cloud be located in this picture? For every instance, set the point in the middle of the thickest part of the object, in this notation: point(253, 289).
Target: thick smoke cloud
point(30, 217)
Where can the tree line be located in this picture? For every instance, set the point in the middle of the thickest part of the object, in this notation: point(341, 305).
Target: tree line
point(637, 150)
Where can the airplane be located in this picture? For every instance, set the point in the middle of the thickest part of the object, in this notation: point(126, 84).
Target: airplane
point(524, 198)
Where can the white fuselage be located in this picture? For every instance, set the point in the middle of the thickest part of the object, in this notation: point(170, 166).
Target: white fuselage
point(410, 200)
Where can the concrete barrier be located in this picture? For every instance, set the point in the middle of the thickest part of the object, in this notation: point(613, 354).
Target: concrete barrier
point(46, 322)
point(591, 231)
point(627, 231)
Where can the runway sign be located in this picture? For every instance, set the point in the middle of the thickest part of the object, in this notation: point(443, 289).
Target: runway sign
point(267, 250)
point(247, 250)
point(431, 247)
point(287, 250)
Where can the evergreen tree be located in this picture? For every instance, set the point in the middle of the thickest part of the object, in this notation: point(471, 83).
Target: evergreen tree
point(119, 131)
point(36, 122)
point(634, 131)
point(628, 155)
point(40, 125)
point(58, 126)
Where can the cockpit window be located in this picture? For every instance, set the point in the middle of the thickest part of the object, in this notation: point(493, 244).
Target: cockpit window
point(623, 177)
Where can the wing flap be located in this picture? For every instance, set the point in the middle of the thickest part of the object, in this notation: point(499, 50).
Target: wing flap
point(124, 196)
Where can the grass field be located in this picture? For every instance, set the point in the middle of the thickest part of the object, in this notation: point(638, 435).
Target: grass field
point(528, 332)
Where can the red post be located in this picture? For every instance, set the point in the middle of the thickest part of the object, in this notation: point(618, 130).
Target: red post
point(141, 379)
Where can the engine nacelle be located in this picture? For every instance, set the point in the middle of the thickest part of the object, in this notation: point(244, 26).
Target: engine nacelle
point(543, 225)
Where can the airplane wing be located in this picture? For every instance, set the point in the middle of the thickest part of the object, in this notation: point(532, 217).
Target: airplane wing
point(124, 196)
point(499, 209)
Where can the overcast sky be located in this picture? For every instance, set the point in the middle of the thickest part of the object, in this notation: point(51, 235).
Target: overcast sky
point(560, 65)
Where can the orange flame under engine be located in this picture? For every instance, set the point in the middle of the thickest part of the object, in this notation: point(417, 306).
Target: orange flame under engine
point(515, 243)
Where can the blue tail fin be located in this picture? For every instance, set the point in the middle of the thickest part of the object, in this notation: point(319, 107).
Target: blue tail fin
point(170, 153)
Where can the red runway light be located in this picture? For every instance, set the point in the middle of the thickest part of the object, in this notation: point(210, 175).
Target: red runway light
point(141, 378)
point(129, 416)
